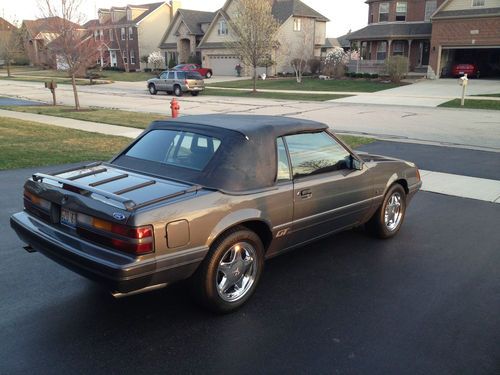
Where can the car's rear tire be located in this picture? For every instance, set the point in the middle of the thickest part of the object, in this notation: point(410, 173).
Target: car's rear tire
point(177, 90)
point(389, 217)
point(152, 89)
point(230, 272)
point(208, 75)
point(195, 93)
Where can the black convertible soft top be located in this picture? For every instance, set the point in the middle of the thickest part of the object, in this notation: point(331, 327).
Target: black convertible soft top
point(246, 159)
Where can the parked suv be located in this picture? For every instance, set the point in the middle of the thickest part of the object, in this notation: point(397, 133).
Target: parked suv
point(177, 82)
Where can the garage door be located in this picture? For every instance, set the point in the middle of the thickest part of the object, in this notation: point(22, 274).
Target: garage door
point(223, 65)
point(486, 58)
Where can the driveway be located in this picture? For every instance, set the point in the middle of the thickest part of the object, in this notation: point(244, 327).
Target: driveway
point(426, 93)
point(425, 302)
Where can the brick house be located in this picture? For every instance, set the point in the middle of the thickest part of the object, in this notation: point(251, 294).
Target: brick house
point(125, 34)
point(466, 31)
point(206, 34)
point(38, 34)
point(396, 28)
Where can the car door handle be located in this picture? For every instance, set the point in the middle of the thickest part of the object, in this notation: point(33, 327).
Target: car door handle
point(305, 194)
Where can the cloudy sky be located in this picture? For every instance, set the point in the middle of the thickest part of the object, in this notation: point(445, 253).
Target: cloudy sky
point(343, 14)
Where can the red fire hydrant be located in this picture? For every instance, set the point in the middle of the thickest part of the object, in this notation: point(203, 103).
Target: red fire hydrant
point(175, 107)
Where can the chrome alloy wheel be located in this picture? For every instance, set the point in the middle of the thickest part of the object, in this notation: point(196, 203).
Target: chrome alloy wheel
point(393, 211)
point(236, 272)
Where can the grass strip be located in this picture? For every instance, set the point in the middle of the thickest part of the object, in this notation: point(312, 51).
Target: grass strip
point(26, 144)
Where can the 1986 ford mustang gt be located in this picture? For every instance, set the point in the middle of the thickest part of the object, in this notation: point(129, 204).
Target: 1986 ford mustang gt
point(210, 198)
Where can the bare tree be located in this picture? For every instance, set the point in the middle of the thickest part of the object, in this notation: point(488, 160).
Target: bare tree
point(124, 52)
point(11, 46)
point(254, 29)
point(74, 48)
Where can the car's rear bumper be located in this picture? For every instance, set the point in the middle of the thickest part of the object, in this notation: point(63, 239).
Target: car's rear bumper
point(117, 272)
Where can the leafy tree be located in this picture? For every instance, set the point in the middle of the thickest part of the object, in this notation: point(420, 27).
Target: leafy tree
point(335, 63)
point(156, 60)
point(253, 30)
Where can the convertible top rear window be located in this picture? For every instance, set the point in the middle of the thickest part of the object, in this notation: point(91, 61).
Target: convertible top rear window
point(177, 148)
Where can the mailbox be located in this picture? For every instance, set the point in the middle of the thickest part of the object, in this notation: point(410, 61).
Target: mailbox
point(51, 85)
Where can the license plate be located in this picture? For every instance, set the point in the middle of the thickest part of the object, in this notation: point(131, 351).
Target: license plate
point(68, 218)
point(462, 73)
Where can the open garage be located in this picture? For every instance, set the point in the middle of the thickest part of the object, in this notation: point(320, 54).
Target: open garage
point(487, 60)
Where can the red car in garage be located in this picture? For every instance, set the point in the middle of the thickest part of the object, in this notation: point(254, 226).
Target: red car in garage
point(205, 72)
point(459, 70)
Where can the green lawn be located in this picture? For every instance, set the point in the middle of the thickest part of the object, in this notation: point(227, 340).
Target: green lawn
point(26, 144)
point(473, 104)
point(105, 116)
point(490, 95)
point(104, 75)
point(354, 142)
point(273, 95)
point(66, 81)
point(310, 84)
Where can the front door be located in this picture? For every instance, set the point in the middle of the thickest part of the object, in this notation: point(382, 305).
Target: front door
point(329, 194)
point(112, 55)
point(425, 49)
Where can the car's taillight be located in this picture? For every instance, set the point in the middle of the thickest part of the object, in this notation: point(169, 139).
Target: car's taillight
point(33, 199)
point(135, 240)
point(186, 83)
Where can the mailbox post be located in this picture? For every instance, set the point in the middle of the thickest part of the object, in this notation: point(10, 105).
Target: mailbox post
point(52, 85)
point(463, 81)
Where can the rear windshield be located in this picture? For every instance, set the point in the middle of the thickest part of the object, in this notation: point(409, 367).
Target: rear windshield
point(177, 148)
point(193, 75)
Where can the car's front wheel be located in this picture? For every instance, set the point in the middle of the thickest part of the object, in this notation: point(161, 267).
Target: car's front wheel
point(177, 90)
point(152, 89)
point(387, 220)
point(230, 272)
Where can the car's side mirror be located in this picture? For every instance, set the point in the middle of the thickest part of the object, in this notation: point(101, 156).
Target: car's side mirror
point(356, 164)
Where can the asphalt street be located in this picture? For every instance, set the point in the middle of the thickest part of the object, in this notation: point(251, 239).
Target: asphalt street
point(425, 302)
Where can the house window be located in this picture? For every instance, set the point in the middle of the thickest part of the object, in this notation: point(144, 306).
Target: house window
point(381, 51)
point(122, 30)
point(297, 24)
point(132, 57)
point(125, 57)
point(130, 33)
point(383, 12)
point(223, 28)
point(401, 9)
point(111, 36)
point(478, 3)
point(101, 34)
point(430, 8)
point(398, 48)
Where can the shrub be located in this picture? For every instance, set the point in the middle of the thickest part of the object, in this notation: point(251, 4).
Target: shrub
point(367, 75)
point(314, 65)
point(335, 63)
point(156, 60)
point(396, 67)
point(375, 75)
point(171, 63)
point(147, 70)
point(359, 75)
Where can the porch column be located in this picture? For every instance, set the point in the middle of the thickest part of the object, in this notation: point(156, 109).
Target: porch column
point(409, 53)
point(389, 44)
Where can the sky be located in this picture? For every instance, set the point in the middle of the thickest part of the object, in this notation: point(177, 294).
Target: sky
point(344, 15)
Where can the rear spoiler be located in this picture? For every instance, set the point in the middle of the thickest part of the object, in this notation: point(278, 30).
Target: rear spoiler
point(128, 204)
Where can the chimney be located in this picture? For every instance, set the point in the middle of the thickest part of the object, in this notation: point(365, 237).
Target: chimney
point(174, 5)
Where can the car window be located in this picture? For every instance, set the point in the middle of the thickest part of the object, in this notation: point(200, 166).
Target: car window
point(181, 75)
point(283, 164)
point(171, 75)
point(193, 75)
point(164, 75)
point(313, 153)
point(178, 148)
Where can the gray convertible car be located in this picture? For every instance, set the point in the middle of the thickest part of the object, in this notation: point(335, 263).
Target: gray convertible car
point(209, 198)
